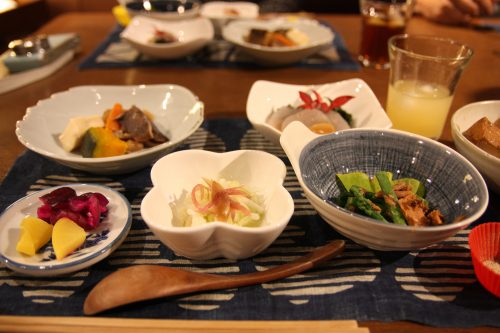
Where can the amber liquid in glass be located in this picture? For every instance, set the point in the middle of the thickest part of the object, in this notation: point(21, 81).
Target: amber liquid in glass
point(376, 33)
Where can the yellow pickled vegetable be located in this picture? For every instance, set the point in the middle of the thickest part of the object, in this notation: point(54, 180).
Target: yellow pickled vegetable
point(67, 236)
point(35, 233)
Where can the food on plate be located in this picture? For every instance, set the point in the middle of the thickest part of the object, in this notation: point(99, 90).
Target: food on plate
point(67, 236)
point(277, 38)
point(163, 37)
point(35, 233)
point(116, 132)
point(72, 135)
point(319, 114)
point(86, 209)
point(224, 201)
point(399, 201)
point(486, 135)
point(230, 11)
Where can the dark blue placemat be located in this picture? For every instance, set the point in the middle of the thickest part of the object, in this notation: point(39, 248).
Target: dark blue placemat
point(434, 286)
point(115, 53)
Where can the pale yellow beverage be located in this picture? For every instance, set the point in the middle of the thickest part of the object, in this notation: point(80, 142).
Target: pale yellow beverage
point(418, 107)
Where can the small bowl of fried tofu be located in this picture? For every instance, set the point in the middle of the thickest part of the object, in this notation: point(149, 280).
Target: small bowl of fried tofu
point(476, 133)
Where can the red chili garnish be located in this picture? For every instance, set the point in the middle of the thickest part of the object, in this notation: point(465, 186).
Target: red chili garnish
point(339, 101)
point(318, 103)
point(221, 204)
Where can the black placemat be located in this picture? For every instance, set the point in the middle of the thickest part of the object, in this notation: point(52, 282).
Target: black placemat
point(115, 53)
point(434, 286)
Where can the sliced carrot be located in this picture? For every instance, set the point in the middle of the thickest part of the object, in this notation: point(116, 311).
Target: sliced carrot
point(283, 40)
point(111, 121)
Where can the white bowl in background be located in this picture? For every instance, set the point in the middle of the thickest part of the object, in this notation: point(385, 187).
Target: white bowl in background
point(175, 175)
point(267, 96)
point(176, 110)
point(320, 37)
point(192, 35)
point(462, 120)
point(221, 13)
point(168, 10)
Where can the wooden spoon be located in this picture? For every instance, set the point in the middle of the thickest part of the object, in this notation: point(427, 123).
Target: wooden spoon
point(143, 282)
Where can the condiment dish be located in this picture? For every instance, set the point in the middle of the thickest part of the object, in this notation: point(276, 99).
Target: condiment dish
point(453, 185)
point(463, 119)
point(190, 35)
point(174, 176)
point(176, 112)
point(221, 13)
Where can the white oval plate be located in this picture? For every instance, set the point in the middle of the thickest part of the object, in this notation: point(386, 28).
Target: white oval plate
point(267, 96)
point(100, 242)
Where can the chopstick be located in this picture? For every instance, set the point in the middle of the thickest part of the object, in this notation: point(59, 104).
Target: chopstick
point(123, 325)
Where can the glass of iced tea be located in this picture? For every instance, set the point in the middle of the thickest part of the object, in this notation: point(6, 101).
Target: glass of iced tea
point(424, 73)
point(381, 19)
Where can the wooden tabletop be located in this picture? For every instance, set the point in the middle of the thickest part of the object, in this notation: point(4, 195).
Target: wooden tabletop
point(224, 92)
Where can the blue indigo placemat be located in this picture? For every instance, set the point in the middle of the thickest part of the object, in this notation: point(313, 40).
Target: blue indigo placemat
point(434, 286)
point(115, 53)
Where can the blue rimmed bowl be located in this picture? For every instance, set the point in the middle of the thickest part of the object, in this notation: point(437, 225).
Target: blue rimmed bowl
point(453, 184)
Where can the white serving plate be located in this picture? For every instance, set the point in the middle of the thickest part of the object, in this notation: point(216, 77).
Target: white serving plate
point(177, 113)
point(192, 35)
point(267, 96)
point(100, 243)
point(320, 37)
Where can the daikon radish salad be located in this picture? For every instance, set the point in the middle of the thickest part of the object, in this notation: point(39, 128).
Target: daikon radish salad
point(225, 201)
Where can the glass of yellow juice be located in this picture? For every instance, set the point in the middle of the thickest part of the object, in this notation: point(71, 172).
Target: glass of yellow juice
point(424, 72)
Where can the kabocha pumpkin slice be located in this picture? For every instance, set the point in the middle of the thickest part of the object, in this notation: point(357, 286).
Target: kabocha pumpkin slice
point(67, 236)
point(35, 233)
point(101, 142)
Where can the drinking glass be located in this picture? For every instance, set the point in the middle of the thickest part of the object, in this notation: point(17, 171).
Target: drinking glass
point(424, 74)
point(381, 20)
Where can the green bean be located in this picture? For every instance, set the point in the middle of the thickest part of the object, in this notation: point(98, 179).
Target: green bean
point(364, 205)
point(394, 211)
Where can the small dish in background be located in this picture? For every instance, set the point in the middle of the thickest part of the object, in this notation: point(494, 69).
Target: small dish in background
point(319, 37)
point(163, 9)
point(461, 121)
point(176, 111)
point(265, 97)
point(221, 13)
point(100, 242)
point(186, 36)
point(174, 176)
point(484, 243)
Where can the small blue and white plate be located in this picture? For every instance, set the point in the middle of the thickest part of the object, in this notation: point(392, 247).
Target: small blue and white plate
point(100, 242)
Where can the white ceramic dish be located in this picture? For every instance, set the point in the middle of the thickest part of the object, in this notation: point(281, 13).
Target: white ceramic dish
point(267, 96)
point(452, 183)
point(175, 175)
point(168, 10)
point(192, 35)
point(461, 121)
point(100, 242)
point(221, 13)
point(177, 114)
point(320, 37)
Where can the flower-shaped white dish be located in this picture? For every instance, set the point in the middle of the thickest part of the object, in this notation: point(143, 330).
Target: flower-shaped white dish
point(190, 36)
point(319, 37)
point(175, 175)
point(176, 110)
point(223, 12)
point(265, 97)
point(100, 242)
point(162, 9)
point(462, 120)
point(453, 185)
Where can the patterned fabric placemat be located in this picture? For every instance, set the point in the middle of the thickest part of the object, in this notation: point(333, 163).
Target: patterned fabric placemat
point(115, 53)
point(434, 286)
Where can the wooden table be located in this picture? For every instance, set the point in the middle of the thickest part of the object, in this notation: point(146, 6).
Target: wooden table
point(224, 92)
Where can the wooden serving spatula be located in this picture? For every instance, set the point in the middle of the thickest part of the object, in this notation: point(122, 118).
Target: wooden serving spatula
point(143, 282)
